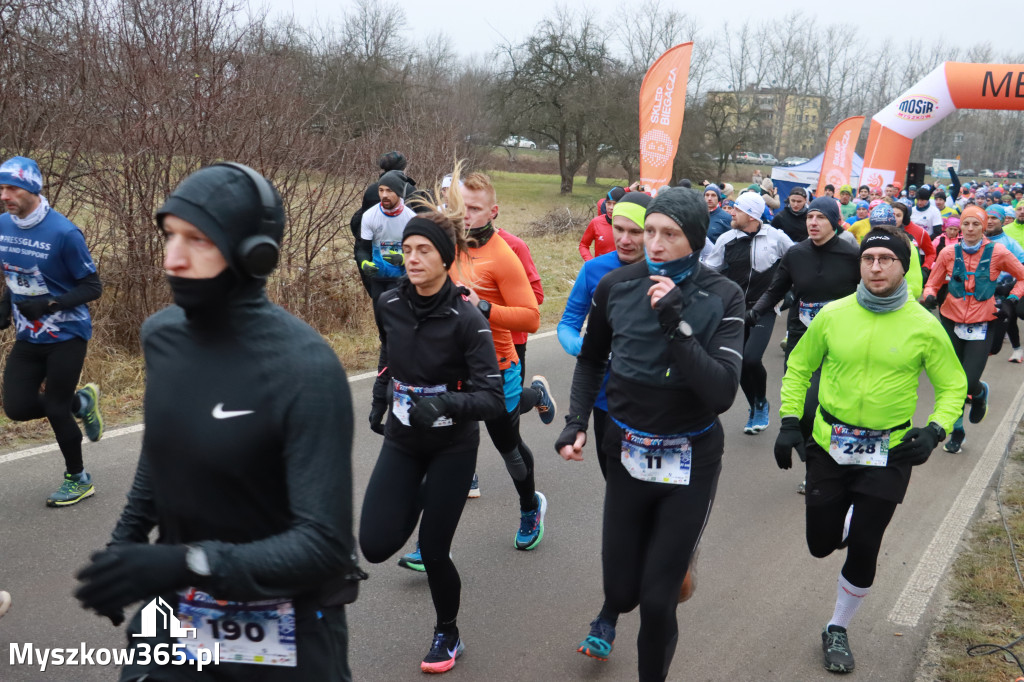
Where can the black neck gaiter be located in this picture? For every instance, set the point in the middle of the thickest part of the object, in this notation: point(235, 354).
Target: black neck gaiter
point(197, 296)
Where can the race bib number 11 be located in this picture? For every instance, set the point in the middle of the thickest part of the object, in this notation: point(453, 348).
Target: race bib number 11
point(658, 459)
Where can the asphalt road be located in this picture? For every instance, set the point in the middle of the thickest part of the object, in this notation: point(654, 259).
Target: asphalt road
point(760, 604)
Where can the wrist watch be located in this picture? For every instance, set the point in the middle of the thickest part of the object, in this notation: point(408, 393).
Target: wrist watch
point(939, 430)
point(197, 561)
point(684, 330)
point(53, 306)
point(485, 308)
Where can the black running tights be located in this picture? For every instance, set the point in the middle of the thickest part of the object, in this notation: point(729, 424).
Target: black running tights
point(753, 375)
point(871, 516)
point(1006, 323)
point(60, 366)
point(405, 483)
point(504, 433)
point(650, 533)
point(973, 355)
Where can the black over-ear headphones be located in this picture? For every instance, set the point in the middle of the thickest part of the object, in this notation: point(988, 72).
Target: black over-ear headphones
point(257, 254)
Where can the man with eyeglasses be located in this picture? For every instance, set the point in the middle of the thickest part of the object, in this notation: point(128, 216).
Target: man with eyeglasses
point(862, 448)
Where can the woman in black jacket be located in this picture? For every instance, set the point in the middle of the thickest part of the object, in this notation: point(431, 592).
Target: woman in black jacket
point(438, 356)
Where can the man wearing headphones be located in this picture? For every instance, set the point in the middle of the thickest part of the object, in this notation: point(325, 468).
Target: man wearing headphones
point(246, 460)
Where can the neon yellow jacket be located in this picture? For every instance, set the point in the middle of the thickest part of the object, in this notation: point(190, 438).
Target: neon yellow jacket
point(872, 362)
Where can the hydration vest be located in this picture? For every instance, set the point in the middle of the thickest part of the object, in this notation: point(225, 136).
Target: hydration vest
point(984, 285)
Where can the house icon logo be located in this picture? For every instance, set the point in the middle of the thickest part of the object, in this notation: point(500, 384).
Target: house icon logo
point(160, 611)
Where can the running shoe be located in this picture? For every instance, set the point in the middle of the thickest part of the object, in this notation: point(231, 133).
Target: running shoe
point(474, 487)
point(802, 488)
point(749, 428)
point(413, 560)
point(1017, 355)
point(598, 644)
point(979, 405)
point(531, 524)
point(89, 411)
point(836, 646)
point(5, 602)
point(443, 652)
point(73, 490)
point(956, 441)
point(784, 343)
point(546, 406)
point(761, 411)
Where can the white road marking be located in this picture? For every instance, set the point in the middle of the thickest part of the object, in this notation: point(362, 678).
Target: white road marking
point(137, 428)
point(935, 561)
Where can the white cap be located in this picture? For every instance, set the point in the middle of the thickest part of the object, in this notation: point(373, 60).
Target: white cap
point(751, 203)
point(446, 181)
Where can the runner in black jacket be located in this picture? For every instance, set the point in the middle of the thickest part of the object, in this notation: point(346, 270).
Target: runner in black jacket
point(245, 465)
point(437, 356)
point(793, 218)
point(675, 366)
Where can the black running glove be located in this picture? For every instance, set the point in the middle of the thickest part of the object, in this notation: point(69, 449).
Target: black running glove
point(378, 410)
point(35, 307)
point(788, 300)
point(425, 411)
point(751, 318)
point(670, 310)
point(396, 258)
point(789, 437)
point(930, 302)
point(123, 574)
point(917, 445)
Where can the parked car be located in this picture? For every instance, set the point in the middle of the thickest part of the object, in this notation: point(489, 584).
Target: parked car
point(967, 172)
point(517, 141)
point(1002, 174)
point(768, 160)
point(746, 157)
point(793, 161)
point(553, 147)
point(1019, 173)
point(986, 173)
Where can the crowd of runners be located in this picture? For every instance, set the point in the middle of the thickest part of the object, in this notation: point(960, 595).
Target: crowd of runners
point(668, 319)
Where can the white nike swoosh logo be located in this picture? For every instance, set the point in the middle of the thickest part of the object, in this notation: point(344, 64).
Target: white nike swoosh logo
point(220, 413)
point(452, 652)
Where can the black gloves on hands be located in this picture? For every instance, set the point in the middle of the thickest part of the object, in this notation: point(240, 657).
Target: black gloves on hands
point(123, 574)
point(35, 307)
point(929, 302)
point(916, 446)
point(378, 410)
point(396, 258)
point(670, 311)
point(790, 437)
point(751, 317)
point(425, 411)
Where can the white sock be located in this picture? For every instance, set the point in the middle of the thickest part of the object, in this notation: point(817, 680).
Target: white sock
point(848, 599)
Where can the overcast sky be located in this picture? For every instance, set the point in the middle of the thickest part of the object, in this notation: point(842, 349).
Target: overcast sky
point(475, 25)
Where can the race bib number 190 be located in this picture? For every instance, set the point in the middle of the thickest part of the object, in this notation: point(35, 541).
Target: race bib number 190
point(658, 459)
point(258, 632)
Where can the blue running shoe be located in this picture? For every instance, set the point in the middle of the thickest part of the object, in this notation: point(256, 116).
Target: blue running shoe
point(546, 407)
point(761, 411)
point(531, 524)
point(749, 428)
point(413, 560)
point(73, 490)
point(979, 405)
point(598, 643)
point(89, 411)
point(443, 651)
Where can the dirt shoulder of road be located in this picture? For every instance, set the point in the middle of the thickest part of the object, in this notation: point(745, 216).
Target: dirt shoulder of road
point(982, 596)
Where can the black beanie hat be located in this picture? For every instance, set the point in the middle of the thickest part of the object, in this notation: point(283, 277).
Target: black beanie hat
point(924, 193)
point(641, 198)
point(392, 161)
point(685, 182)
point(616, 193)
point(224, 204)
point(397, 182)
point(888, 240)
point(827, 207)
point(687, 208)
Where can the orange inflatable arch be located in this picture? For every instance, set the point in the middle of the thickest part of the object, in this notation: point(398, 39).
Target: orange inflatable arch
point(951, 86)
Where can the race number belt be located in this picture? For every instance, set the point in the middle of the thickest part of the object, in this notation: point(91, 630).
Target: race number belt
point(974, 331)
point(658, 458)
point(808, 311)
point(857, 445)
point(257, 632)
point(402, 400)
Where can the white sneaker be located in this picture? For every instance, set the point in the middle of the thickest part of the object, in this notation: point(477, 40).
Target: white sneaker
point(1017, 355)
